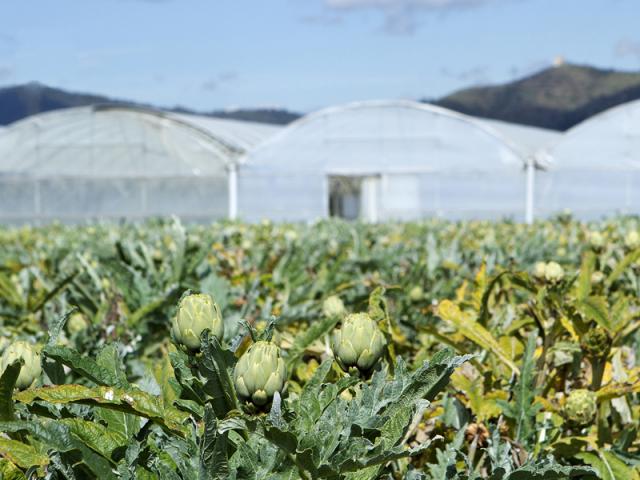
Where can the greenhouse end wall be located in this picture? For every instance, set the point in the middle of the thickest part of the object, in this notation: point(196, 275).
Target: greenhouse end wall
point(73, 200)
point(457, 196)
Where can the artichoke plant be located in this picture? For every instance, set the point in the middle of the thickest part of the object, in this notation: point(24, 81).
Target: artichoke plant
point(333, 307)
point(596, 240)
point(31, 368)
point(581, 407)
point(196, 313)
point(632, 240)
point(596, 343)
point(539, 270)
point(553, 272)
point(260, 373)
point(597, 277)
point(77, 323)
point(359, 344)
point(416, 293)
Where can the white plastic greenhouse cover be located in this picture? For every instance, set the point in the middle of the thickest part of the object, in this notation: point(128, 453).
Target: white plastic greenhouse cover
point(595, 167)
point(113, 161)
point(530, 141)
point(419, 160)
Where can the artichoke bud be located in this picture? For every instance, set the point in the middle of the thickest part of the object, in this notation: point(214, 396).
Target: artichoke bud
point(31, 368)
point(596, 343)
point(596, 240)
point(260, 373)
point(597, 277)
point(539, 270)
point(553, 272)
point(358, 344)
point(632, 240)
point(416, 293)
point(196, 313)
point(581, 407)
point(77, 323)
point(333, 307)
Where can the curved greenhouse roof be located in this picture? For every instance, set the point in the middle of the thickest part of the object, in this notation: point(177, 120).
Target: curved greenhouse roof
point(114, 162)
point(116, 141)
point(531, 141)
point(415, 160)
point(595, 167)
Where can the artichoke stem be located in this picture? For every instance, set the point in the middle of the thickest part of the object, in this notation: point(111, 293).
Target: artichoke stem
point(597, 372)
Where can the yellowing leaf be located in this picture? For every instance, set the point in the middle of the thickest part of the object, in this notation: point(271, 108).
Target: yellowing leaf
point(22, 455)
point(473, 331)
point(564, 321)
point(484, 406)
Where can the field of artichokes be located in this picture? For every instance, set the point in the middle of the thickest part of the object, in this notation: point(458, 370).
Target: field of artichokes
point(432, 350)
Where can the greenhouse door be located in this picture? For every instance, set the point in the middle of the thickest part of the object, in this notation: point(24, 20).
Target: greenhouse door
point(354, 197)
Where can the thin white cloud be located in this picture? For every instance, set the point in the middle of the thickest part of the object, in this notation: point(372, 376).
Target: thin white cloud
point(402, 17)
point(475, 76)
point(6, 72)
point(627, 47)
point(214, 83)
point(322, 19)
point(429, 4)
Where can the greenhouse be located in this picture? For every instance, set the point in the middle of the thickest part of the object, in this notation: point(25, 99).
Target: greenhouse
point(595, 167)
point(388, 160)
point(121, 162)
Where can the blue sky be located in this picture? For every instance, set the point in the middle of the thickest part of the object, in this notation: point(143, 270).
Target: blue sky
point(303, 54)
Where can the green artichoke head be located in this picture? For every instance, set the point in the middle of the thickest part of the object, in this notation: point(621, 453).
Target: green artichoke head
point(553, 272)
point(359, 343)
point(31, 368)
point(596, 343)
point(632, 240)
point(596, 240)
point(196, 313)
point(77, 323)
point(539, 270)
point(416, 293)
point(581, 407)
point(597, 277)
point(333, 307)
point(260, 373)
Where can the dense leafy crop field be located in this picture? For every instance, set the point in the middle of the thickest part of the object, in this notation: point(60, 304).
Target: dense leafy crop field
point(340, 351)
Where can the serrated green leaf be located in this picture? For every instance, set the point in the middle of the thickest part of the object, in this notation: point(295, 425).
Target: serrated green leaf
point(305, 338)
point(82, 365)
point(595, 308)
point(583, 284)
point(548, 469)
point(214, 462)
point(95, 435)
point(22, 455)
point(216, 366)
point(131, 401)
point(523, 408)
point(7, 384)
point(622, 266)
point(9, 471)
point(608, 465)
point(59, 437)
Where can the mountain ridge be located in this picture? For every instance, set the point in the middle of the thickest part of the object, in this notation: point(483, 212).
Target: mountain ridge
point(20, 101)
point(556, 98)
